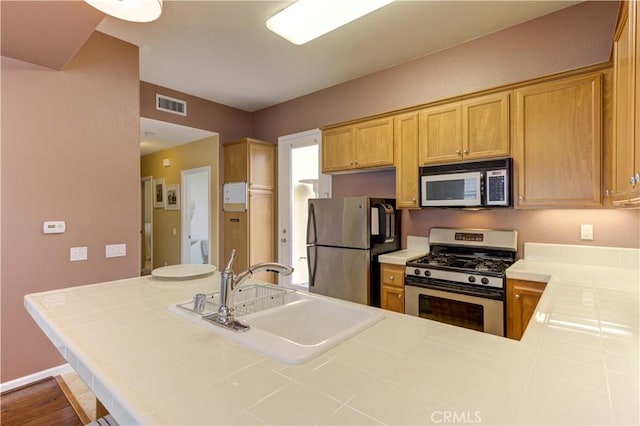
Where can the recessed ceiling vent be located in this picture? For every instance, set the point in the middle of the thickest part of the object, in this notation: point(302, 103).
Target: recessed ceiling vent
point(172, 105)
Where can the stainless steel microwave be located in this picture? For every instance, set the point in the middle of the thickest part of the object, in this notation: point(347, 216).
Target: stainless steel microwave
point(476, 184)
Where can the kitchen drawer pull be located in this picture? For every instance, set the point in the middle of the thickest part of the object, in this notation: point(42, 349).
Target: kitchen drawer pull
point(399, 295)
point(517, 297)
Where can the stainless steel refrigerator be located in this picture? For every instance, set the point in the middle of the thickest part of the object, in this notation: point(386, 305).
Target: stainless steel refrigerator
point(345, 236)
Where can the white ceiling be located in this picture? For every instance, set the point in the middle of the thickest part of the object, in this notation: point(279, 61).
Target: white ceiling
point(223, 52)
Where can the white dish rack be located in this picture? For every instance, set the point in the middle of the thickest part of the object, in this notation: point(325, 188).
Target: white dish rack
point(247, 299)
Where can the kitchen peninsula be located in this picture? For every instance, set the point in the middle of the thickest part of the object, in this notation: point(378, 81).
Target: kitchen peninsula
point(577, 362)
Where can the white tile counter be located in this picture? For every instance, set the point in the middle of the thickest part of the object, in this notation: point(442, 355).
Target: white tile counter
point(577, 363)
point(416, 247)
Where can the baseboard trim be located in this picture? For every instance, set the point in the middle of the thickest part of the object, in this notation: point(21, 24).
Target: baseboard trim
point(21, 381)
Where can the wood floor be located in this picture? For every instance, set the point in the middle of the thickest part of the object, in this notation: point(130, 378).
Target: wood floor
point(45, 402)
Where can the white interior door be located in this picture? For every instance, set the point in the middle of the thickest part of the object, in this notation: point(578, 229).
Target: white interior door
point(299, 179)
point(196, 215)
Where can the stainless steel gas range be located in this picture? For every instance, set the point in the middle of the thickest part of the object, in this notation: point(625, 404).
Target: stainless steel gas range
point(462, 279)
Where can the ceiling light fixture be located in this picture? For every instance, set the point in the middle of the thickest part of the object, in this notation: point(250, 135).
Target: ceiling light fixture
point(130, 10)
point(306, 20)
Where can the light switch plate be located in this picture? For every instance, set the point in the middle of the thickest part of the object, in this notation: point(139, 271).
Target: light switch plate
point(115, 250)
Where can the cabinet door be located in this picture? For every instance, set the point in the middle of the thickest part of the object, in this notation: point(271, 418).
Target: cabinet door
point(622, 167)
point(235, 232)
point(337, 149)
point(558, 143)
point(485, 127)
point(392, 299)
point(261, 170)
point(635, 191)
point(522, 299)
point(235, 162)
point(261, 231)
point(374, 143)
point(440, 136)
point(406, 159)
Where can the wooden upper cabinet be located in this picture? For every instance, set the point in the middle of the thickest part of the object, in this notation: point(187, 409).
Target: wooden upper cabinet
point(473, 129)
point(406, 159)
point(625, 152)
point(485, 127)
point(261, 171)
point(235, 162)
point(558, 143)
point(337, 149)
point(374, 143)
point(440, 134)
point(367, 144)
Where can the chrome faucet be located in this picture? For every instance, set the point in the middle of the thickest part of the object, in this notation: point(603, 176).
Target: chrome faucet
point(230, 281)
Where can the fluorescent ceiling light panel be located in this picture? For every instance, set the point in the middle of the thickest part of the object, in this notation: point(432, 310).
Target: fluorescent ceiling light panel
point(308, 19)
point(130, 10)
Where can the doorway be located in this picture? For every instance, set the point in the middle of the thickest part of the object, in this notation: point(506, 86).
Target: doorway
point(196, 215)
point(299, 179)
point(146, 225)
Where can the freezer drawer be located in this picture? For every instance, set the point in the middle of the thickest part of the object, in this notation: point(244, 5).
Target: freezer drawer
point(340, 273)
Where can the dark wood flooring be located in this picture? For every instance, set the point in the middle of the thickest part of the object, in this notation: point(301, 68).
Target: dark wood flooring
point(40, 403)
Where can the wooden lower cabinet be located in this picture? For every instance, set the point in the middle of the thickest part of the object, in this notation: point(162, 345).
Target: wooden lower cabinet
point(522, 299)
point(392, 287)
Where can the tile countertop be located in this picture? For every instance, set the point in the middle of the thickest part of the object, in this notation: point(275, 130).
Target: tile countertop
point(416, 247)
point(577, 363)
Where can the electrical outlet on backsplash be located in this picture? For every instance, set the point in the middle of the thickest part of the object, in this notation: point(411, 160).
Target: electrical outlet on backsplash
point(615, 257)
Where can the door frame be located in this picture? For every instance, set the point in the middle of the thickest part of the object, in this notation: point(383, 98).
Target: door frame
point(151, 209)
point(185, 247)
point(285, 145)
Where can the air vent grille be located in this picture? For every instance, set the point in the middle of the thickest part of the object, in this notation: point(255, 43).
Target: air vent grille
point(172, 105)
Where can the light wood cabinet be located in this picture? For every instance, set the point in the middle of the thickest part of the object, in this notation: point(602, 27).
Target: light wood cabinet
point(367, 144)
point(557, 140)
point(625, 152)
point(392, 287)
point(252, 232)
point(406, 160)
point(522, 299)
point(473, 129)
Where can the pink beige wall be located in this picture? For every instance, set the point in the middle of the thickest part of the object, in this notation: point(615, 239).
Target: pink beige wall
point(571, 38)
point(612, 227)
point(70, 151)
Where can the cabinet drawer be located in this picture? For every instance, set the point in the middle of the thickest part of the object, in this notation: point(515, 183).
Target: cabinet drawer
point(392, 275)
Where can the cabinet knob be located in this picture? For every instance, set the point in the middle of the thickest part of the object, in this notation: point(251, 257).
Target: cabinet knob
point(355, 162)
point(608, 193)
point(466, 151)
point(521, 198)
point(391, 277)
point(517, 297)
point(399, 295)
point(632, 180)
point(414, 200)
point(458, 151)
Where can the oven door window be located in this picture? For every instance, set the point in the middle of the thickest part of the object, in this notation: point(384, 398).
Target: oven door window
point(454, 312)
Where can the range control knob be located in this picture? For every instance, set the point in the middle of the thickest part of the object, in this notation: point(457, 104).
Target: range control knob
point(484, 280)
point(416, 271)
point(472, 279)
point(427, 273)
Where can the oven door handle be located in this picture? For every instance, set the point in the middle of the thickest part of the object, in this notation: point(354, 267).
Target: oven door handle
point(430, 283)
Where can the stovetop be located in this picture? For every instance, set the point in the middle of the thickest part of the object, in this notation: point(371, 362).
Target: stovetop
point(455, 262)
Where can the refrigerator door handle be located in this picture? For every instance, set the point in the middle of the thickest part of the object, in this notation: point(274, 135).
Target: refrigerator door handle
point(312, 235)
point(312, 264)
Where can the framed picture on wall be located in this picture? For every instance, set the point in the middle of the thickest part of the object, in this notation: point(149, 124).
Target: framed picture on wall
point(158, 191)
point(172, 197)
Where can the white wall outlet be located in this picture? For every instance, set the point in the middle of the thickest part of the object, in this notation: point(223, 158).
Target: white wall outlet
point(586, 232)
point(77, 253)
point(115, 250)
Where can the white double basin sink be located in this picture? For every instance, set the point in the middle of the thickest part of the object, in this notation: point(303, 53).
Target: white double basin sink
point(296, 327)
